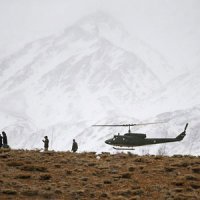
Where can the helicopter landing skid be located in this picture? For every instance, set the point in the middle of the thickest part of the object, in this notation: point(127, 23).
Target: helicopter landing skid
point(116, 148)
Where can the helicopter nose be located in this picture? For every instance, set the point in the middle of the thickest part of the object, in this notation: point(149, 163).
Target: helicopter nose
point(107, 142)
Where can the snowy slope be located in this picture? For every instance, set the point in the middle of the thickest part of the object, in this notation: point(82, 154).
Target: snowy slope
point(110, 29)
point(54, 76)
point(92, 72)
point(92, 138)
point(180, 93)
point(175, 123)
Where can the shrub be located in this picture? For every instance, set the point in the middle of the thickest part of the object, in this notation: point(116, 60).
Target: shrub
point(84, 179)
point(47, 194)
point(9, 191)
point(162, 151)
point(178, 183)
point(29, 192)
point(33, 168)
point(14, 164)
point(196, 170)
point(190, 177)
point(45, 177)
point(170, 169)
point(104, 195)
point(57, 191)
point(195, 185)
point(23, 176)
point(107, 182)
point(126, 175)
point(131, 169)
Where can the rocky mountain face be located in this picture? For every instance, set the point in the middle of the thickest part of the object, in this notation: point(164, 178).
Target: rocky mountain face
point(92, 72)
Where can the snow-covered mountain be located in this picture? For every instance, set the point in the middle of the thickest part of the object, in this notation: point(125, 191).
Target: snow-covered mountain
point(22, 135)
point(180, 93)
point(60, 74)
point(92, 72)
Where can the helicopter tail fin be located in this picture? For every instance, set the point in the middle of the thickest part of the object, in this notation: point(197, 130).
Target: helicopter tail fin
point(182, 135)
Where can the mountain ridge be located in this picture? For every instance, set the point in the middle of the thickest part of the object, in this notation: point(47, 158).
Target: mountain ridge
point(81, 78)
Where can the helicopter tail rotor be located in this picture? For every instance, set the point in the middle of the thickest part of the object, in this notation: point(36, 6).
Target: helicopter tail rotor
point(186, 127)
point(183, 134)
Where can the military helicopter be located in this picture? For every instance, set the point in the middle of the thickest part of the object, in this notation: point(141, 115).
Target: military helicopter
point(130, 140)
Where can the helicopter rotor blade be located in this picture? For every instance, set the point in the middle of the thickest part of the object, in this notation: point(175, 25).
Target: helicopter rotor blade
point(143, 124)
point(109, 125)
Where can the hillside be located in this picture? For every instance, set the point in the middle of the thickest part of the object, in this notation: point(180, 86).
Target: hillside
point(65, 175)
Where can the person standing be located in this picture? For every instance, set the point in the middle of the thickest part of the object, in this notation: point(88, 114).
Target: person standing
point(74, 146)
point(46, 143)
point(5, 141)
point(1, 141)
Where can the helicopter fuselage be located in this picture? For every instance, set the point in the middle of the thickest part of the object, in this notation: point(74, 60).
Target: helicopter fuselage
point(139, 139)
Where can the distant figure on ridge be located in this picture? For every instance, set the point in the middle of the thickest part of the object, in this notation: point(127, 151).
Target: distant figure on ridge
point(74, 146)
point(1, 141)
point(5, 141)
point(46, 143)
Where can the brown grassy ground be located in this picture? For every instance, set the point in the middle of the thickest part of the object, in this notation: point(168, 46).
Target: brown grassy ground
point(66, 175)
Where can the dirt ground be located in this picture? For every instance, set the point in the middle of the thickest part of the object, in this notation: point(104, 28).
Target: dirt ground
point(76, 176)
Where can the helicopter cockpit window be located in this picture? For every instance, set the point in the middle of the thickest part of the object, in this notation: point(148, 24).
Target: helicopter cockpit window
point(114, 139)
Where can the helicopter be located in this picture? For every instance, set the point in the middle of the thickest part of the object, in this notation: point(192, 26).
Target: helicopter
point(130, 140)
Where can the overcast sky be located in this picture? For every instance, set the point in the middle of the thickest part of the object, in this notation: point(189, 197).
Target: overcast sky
point(171, 27)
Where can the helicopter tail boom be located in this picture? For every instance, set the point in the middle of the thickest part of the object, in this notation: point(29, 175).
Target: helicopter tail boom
point(182, 135)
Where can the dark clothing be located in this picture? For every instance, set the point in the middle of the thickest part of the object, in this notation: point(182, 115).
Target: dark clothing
point(1, 141)
point(74, 146)
point(5, 141)
point(46, 144)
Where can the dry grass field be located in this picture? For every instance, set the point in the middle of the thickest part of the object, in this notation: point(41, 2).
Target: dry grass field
point(76, 176)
